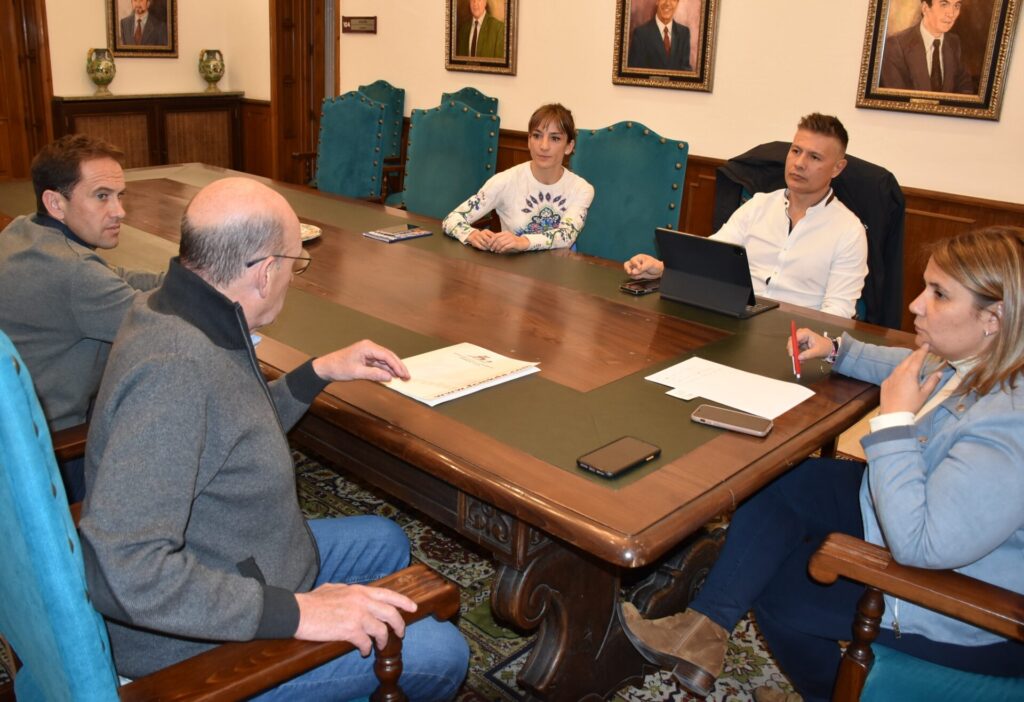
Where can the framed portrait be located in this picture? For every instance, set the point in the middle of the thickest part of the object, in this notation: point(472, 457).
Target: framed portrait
point(146, 28)
point(942, 57)
point(480, 36)
point(665, 43)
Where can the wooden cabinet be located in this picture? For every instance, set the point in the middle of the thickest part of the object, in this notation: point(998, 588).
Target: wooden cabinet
point(159, 129)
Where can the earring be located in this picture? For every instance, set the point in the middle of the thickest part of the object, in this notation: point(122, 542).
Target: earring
point(986, 333)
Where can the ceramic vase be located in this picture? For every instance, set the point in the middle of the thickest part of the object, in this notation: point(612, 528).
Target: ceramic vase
point(211, 68)
point(99, 65)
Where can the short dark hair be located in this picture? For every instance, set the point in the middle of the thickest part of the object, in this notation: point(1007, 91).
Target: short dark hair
point(556, 113)
point(58, 166)
point(220, 252)
point(826, 125)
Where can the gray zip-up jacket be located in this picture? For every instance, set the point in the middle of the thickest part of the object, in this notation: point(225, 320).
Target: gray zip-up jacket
point(191, 526)
point(62, 305)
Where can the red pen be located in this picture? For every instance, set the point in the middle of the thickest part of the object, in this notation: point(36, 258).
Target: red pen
point(796, 348)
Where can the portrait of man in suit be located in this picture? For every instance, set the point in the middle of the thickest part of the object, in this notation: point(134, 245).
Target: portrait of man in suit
point(480, 34)
point(141, 27)
point(661, 43)
point(927, 55)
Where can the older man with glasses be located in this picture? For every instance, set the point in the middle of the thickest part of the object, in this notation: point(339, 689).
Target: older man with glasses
point(192, 532)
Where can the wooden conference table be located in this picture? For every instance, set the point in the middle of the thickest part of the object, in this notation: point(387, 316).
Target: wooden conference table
point(499, 466)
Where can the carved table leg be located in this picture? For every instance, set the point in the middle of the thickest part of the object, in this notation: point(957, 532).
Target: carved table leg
point(581, 651)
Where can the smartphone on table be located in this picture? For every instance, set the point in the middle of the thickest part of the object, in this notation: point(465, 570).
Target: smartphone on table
point(733, 420)
point(640, 287)
point(618, 456)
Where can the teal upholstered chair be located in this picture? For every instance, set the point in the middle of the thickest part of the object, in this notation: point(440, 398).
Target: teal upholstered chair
point(880, 674)
point(393, 100)
point(62, 641)
point(349, 158)
point(452, 150)
point(638, 186)
point(474, 99)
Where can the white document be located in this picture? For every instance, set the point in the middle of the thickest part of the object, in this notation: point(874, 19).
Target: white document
point(749, 392)
point(454, 371)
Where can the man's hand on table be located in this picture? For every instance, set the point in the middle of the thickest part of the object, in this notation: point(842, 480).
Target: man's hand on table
point(363, 360)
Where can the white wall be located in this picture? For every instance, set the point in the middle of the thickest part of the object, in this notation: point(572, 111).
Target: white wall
point(776, 60)
point(239, 28)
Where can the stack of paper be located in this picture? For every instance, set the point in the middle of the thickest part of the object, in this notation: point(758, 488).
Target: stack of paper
point(444, 374)
point(756, 394)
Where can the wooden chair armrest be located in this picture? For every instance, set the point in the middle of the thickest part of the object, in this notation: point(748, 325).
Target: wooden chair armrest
point(236, 671)
point(945, 591)
point(69, 443)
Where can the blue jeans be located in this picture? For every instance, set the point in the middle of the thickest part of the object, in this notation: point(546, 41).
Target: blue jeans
point(763, 566)
point(435, 657)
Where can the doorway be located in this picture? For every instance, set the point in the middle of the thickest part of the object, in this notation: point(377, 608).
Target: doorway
point(305, 36)
point(25, 86)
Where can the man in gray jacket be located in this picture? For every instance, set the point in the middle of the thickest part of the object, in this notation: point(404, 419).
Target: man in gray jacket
point(60, 303)
point(191, 530)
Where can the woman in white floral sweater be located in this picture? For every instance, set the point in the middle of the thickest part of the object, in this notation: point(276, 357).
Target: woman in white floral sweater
point(541, 204)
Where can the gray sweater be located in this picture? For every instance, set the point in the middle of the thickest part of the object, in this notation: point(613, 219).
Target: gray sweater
point(61, 305)
point(192, 526)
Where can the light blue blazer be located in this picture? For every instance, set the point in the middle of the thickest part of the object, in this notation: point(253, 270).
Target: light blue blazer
point(946, 492)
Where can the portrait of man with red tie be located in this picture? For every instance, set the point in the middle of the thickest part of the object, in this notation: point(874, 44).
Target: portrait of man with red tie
point(662, 43)
point(480, 33)
point(141, 27)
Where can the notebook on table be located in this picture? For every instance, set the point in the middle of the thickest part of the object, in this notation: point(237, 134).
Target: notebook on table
point(706, 273)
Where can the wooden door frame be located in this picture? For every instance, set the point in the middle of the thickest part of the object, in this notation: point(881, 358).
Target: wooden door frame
point(30, 84)
point(312, 79)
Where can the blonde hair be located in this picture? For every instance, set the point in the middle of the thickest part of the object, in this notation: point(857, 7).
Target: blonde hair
point(989, 262)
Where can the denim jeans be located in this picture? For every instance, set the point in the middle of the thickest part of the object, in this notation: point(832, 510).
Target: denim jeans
point(435, 657)
point(763, 566)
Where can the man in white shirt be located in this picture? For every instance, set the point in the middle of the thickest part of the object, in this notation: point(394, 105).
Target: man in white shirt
point(803, 245)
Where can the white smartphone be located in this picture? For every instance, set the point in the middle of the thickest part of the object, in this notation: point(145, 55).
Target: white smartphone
point(733, 420)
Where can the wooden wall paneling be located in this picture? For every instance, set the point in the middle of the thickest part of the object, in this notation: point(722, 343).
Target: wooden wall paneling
point(128, 131)
point(205, 137)
point(158, 129)
point(932, 216)
point(35, 69)
point(257, 138)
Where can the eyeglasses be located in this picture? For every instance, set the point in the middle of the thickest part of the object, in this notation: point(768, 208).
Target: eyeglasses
point(301, 263)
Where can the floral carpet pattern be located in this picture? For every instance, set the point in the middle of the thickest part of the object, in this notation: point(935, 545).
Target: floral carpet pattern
point(497, 652)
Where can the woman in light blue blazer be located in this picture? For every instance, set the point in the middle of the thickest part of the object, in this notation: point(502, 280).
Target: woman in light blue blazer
point(943, 488)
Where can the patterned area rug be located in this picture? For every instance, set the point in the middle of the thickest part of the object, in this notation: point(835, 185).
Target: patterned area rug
point(499, 652)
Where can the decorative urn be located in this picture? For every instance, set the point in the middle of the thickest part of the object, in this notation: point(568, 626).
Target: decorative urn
point(211, 68)
point(99, 65)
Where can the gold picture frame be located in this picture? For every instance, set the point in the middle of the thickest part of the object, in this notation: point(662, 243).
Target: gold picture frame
point(975, 41)
point(683, 61)
point(158, 36)
point(495, 48)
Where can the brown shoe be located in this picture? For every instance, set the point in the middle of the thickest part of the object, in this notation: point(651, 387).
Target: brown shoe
point(688, 642)
point(774, 694)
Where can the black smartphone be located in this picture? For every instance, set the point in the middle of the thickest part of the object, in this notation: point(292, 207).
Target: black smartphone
point(641, 287)
point(619, 456)
point(733, 420)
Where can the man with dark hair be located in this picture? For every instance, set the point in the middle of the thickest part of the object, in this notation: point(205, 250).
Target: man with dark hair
point(60, 303)
point(191, 531)
point(662, 43)
point(803, 245)
point(926, 56)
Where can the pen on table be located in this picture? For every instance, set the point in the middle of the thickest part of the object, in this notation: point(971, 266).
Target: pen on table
point(796, 348)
